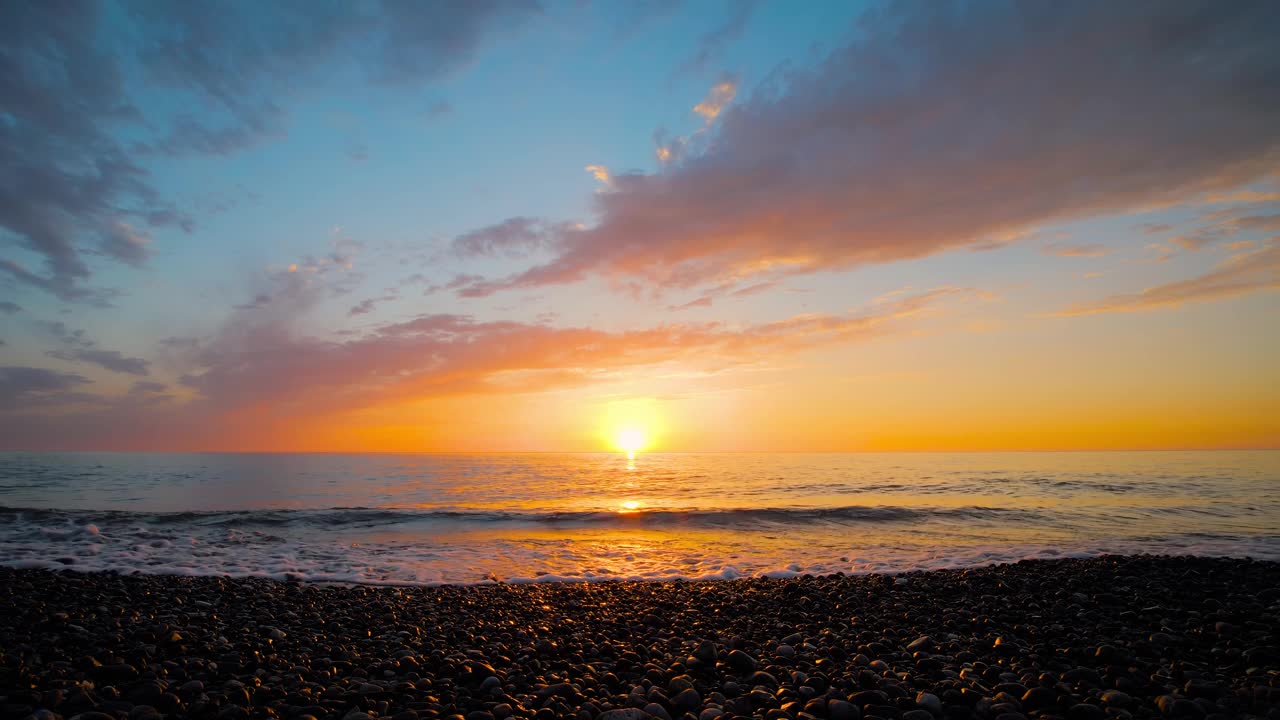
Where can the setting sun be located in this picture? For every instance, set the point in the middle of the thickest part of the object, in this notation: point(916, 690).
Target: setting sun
point(631, 440)
point(631, 426)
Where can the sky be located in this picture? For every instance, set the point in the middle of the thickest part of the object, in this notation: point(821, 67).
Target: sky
point(500, 225)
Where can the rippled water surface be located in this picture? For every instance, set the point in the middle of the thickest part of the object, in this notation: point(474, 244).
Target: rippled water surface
point(473, 518)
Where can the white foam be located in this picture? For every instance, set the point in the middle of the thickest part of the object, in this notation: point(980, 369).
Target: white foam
point(124, 545)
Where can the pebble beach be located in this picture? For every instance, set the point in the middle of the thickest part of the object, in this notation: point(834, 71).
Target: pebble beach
point(1081, 639)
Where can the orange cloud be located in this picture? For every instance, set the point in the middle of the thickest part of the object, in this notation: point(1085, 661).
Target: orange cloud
point(1084, 251)
point(600, 173)
point(258, 376)
point(721, 94)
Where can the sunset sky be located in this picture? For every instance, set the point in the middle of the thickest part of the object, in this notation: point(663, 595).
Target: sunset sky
point(730, 225)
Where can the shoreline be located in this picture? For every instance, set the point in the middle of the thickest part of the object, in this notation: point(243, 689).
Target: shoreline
point(1082, 639)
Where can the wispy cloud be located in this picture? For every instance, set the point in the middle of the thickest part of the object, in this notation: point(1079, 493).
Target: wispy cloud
point(721, 94)
point(260, 362)
point(78, 347)
point(1241, 274)
point(514, 237)
point(1226, 226)
point(1082, 251)
point(713, 45)
point(111, 360)
point(368, 305)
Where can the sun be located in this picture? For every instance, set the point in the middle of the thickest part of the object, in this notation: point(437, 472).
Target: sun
point(631, 425)
point(630, 440)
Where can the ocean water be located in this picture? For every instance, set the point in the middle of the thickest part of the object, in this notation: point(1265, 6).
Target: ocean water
point(425, 519)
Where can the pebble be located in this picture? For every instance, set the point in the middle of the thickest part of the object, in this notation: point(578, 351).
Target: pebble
point(624, 714)
point(741, 661)
point(922, 643)
point(842, 710)
point(929, 702)
point(1187, 638)
point(657, 711)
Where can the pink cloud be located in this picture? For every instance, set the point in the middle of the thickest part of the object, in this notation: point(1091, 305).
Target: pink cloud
point(258, 374)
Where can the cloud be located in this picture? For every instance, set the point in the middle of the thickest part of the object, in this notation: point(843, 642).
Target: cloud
point(31, 385)
point(600, 173)
point(10, 308)
point(258, 373)
point(80, 348)
point(243, 57)
point(109, 359)
point(721, 94)
point(633, 18)
point(514, 237)
point(949, 126)
point(1225, 227)
point(63, 176)
point(1241, 274)
point(127, 245)
point(704, 301)
point(147, 387)
point(67, 290)
point(68, 181)
point(259, 300)
point(262, 362)
point(368, 305)
point(1245, 196)
point(713, 45)
point(462, 283)
point(1085, 251)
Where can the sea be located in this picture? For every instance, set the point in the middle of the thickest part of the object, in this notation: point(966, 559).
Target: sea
point(425, 519)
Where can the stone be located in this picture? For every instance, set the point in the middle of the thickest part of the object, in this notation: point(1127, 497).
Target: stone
point(841, 710)
point(657, 711)
point(741, 661)
point(1116, 698)
point(1038, 698)
point(1085, 711)
point(625, 714)
point(924, 643)
point(686, 701)
point(929, 702)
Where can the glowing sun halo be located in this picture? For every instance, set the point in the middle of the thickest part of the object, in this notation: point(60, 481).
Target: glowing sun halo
point(630, 440)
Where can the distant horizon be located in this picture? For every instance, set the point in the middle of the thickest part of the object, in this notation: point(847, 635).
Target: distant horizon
point(642, 454)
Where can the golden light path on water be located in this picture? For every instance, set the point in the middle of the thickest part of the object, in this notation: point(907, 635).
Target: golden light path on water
point(626, 514)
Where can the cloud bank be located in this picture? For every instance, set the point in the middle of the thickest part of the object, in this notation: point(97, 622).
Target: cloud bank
point(943, 126)
point(258, 374)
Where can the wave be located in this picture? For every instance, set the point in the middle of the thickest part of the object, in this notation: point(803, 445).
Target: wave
point(392, 546)
point(369, 518)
